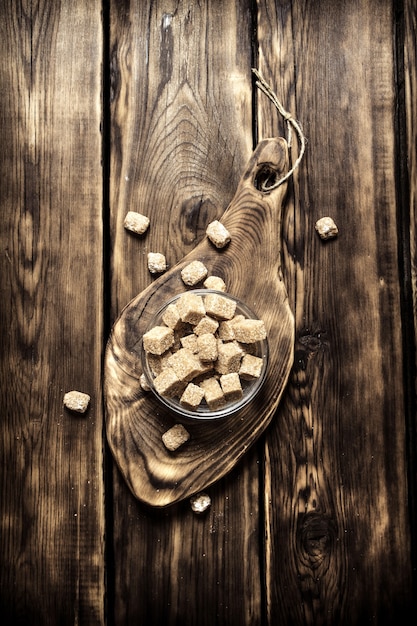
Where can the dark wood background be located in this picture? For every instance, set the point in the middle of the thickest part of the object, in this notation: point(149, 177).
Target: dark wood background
point(151, 106)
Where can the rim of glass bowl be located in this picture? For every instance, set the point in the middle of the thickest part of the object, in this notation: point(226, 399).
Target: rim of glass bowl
point(250, 388)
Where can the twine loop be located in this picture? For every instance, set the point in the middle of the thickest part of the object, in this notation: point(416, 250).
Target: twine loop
point(291, 123)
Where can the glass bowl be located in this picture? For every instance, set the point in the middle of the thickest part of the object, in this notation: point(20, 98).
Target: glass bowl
point(250, 381)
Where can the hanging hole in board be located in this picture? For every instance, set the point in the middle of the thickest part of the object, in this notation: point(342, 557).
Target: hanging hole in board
point(292, 124)
point(265, 179)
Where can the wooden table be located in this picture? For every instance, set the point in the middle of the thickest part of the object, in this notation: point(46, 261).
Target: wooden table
point(114, 106)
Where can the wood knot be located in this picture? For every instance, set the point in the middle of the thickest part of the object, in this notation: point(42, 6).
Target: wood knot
point(313, 341)
point(265, 178)
point(309, 344)
point(315, 537)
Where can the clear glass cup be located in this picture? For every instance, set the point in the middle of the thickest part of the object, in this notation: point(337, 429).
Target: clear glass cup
point(250, 387)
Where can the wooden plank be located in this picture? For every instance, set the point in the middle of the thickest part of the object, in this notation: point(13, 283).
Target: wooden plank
point(410, 90)
point(181, 127)
point(52, 569)
point(336, 490)
point(175, 567)
point(181, 136)
point(409, 172)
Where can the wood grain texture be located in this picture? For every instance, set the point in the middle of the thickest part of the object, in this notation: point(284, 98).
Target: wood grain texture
point(336, 486)
point(250, 268)
point(180, 91)
point(407, 122)
point(192, 569)
point(410, 94)
point(208, 48)
point(316, 523)
point(52, 501)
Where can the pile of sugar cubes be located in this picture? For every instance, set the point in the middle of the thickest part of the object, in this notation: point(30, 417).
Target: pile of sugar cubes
point(201, 350)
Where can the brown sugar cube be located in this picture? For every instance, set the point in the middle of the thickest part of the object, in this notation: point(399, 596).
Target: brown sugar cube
point(191, 307)
point(76, 401)
point(158, 362)
point(229, 358)
point(171, 317)
point(249, 331)
point(185, 364)
point(167, 383)
point(156, 262)
point(158, 339)
point(215, 282)
point(207, 324)
point(237, 318)
point(202, 369)
point(213, 393)
point(205, 368)
point(193, 273)
point(192, 397)
point(175, 437)
point(326, 228)
point(249, 348)
point(231, 386)
point(178, 334)
point(226, 331)
point(250, 367)
point(218, 234)
point(207, 347)
point(200, 503)
point(136, 222)
point(219, 306)
point(190, 342)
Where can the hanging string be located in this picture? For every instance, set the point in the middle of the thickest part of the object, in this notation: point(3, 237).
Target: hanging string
point(291, 124)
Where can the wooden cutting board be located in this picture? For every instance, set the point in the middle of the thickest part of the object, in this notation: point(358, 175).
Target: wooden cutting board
point(250, 267)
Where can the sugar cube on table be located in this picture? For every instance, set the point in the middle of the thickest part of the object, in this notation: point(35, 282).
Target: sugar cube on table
point(136, 222)
point(326, 228)
point(175, 437)
point(218, 234)
point(194, 273)
point(200, 503)
point(76, 401)
point(156, 262)
point(215, 282)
